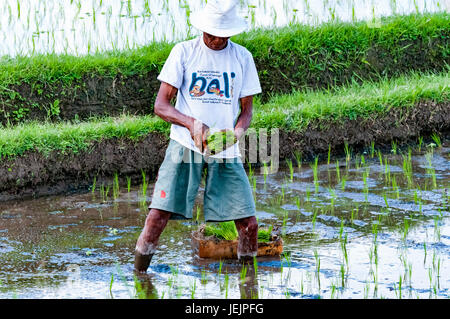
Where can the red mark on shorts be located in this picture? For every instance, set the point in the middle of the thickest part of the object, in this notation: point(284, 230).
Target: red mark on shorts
point(163, 194)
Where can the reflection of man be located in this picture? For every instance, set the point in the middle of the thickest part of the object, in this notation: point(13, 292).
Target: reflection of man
point(228, 195)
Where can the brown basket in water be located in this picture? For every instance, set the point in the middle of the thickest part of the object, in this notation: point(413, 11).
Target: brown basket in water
point(214, 248)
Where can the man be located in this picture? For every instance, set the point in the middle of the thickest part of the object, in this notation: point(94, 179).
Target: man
point(215, 80)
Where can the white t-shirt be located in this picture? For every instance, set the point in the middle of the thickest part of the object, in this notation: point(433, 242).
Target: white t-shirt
point(210, 84)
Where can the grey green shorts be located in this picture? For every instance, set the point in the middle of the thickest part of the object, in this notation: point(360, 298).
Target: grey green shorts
point(227, 196)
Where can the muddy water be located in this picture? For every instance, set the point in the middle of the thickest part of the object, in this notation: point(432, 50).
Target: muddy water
point(353, 228)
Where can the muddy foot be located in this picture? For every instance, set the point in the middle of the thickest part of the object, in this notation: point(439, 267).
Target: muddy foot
point(246, 260)
point(141, 262)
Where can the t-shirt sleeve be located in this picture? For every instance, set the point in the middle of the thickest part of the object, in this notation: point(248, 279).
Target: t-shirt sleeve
point(173, 70)
point(250, 79)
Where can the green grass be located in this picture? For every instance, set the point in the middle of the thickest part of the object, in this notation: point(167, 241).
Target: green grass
point(297, 57)
point(293, 112)
point(74, 137)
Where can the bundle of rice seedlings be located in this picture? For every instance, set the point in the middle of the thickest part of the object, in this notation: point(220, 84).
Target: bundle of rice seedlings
point(225, 230)
point(219, 141)
point(228, 231)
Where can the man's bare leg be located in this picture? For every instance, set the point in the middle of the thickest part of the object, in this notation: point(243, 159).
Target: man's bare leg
point(248, 238)
point(147, 242)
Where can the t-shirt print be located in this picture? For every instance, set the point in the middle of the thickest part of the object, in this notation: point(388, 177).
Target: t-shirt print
point(212, 87)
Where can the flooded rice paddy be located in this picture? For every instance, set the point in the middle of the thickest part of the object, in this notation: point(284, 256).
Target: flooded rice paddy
point(78, 27)
point(368, 225)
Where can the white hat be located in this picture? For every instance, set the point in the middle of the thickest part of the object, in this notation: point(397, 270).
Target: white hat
point(219, 18)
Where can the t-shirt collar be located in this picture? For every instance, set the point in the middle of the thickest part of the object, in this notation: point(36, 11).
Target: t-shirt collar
point(224, 50)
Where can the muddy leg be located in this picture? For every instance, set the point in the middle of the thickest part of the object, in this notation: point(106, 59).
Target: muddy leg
point(248, 238)
point(146, 244)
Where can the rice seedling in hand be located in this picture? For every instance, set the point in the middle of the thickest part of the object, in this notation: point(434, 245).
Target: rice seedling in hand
point(219, 141)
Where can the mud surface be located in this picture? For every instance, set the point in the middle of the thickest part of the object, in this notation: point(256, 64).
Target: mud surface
point(400, 125)
point(35, 175)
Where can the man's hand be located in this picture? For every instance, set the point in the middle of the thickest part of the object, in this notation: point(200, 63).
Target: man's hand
point(199, 133)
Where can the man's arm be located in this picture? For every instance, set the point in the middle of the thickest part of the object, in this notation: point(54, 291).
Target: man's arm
point(244, 119)
point(170, 114)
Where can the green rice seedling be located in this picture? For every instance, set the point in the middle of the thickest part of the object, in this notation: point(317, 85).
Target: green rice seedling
point(344, 248)
point(366, 188)
point(243, 273)
point(363, 161)
point(315, 174)
point(372, 149)
point(347, 153)
point(308, 193)
point(297, 202)
point(375, 231)
point(291, 170)
point(380, 157)
point(338, 175)
point(298, 159)
point(405, 229)
point(94, 183)
point(219, 271)
point(204, 278)
point(226, 284)
point(343, 181)
point(116, 188)
point(265, 172)
point(437, 230)
point(329, 154)
point(317, 258)
point(420, 141)
point(341, 229)
point(342, 273)
point(333, 198)
point(197, 215)
point(387, 171)
point(250, 171)
point(430, 169)
point(143, 190)
point(394, 185)
point(407, 169)
point(110, 286)
point(394, 148)
point(314, 218)
point(128, 184)
point(193, 288)
point(283, 227)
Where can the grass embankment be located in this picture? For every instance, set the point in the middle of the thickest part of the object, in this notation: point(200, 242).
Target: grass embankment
point(292, 112)
point(297, 57)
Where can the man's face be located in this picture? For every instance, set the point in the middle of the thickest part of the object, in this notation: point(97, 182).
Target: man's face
point(213, 42)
